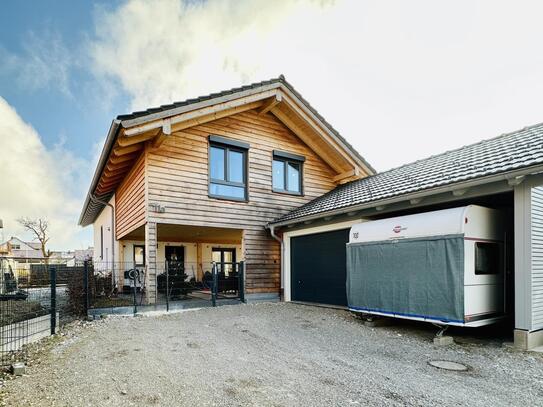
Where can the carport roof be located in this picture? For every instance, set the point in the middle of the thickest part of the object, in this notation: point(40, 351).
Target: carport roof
point(504, 154)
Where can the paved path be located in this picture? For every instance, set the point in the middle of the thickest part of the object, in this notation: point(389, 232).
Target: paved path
point(270, 355)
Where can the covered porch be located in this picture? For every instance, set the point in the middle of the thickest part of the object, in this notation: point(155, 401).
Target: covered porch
point(165, 263)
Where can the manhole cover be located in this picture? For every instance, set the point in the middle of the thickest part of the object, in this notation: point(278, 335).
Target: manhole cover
point(448, 365)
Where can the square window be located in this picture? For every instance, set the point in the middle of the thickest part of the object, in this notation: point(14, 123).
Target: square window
point(287, 174)
point(487, 258)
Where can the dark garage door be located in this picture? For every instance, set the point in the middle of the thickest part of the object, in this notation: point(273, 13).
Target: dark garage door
point(318, 267)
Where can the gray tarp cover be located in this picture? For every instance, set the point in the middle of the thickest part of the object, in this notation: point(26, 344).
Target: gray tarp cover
point(421, 277)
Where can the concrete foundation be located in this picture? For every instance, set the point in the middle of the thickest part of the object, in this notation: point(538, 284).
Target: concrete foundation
point(262, 297)
point(525, 340)
point(443, 340)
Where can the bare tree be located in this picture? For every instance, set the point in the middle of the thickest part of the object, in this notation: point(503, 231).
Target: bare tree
point(38, 227)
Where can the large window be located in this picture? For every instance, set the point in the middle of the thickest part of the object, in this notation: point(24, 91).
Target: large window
point(287, 173)
point(487, 258)
point(227, 169)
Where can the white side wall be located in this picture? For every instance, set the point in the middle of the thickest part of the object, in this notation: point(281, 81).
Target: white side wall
point(285, 278)
point(537, 257)
point(103, 249)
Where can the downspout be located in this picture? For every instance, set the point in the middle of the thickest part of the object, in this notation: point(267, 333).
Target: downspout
point(97, 200)
point(280, 240)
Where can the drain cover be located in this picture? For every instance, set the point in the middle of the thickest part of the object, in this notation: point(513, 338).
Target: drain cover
point(448, 365)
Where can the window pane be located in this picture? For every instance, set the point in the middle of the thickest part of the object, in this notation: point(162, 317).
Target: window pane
point(139, 255)
point(278, 174)
point(216, 163)
point(293, 173)
point(235, 166)
point(487, 258)
point(216, 256)
point(227, 190)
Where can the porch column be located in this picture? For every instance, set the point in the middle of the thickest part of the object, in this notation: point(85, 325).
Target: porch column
point(528, 201)
point(150, 262)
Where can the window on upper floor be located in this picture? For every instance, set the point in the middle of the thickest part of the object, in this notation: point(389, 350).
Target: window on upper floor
point(16, 246)
point(227, 169)
point(287, 174)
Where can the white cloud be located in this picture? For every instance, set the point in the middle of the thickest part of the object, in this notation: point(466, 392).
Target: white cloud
point(43, 63)
point(400, 80)
point(39, 182)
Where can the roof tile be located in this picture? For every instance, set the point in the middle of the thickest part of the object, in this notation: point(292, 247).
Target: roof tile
point(508, 152)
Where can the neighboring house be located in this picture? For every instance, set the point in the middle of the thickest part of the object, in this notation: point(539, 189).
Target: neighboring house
point(199, 181)
point(17, 248)
point(256, 174)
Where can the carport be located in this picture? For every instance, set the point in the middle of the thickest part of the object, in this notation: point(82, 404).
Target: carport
point(505, 173)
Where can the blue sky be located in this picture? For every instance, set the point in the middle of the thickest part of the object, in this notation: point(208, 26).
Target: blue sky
point(78, 118)
point(400, 80)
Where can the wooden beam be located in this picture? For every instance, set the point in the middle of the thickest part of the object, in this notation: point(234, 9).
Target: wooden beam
point(194, 114)
point(118, 160)
point(302, 134)
point(355, 172)
point(271, 104)
point(114, 172)
point(119, 151)
point(166, 132)
point(125, 141)
point(114, 167)
point(215, 116)
point(205, 119)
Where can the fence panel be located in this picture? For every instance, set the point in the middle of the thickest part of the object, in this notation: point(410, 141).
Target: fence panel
point(35, 298)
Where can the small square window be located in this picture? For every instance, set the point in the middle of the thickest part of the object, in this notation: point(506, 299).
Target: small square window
point(287, 173)
point(487, 258)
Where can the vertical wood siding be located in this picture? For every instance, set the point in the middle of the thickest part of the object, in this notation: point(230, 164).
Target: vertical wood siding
point(177, 178)
point(537, 257)
point(130, 200)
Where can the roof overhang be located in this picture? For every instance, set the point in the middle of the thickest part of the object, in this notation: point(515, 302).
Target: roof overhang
point(127, 138)
point(476, 187)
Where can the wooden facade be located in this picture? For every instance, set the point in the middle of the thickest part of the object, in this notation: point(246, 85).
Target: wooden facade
point(177, 178)
point(157, 167)
point(130, 203)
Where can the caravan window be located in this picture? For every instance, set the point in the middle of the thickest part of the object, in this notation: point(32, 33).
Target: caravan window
point(487, 258)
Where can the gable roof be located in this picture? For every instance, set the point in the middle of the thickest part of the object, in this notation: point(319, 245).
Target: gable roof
point(129, 132)
point(522, 149)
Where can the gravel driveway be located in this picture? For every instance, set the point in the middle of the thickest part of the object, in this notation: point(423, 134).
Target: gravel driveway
point(270, 355)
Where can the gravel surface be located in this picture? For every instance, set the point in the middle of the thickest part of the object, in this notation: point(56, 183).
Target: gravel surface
point(270, 355)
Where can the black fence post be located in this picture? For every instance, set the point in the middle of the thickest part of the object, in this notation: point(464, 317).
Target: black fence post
point(168, 291)
point(53, 277)
point(241, 280)
point(86, 286)
point(215, 284)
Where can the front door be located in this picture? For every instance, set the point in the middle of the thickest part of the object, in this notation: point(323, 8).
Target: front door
point(226, 259)
point(175, 258)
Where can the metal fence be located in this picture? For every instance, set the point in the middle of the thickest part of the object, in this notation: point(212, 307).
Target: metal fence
point(115, 285)
point(35, 298)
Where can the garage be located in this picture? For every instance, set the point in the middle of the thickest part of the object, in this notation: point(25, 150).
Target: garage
point(504, 173)
point(318, 267)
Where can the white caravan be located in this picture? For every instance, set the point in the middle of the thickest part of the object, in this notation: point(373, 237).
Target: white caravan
point(445, 267)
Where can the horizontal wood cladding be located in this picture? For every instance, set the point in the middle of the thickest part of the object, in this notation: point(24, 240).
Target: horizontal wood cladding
point(177, 179)
point(130, 200)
